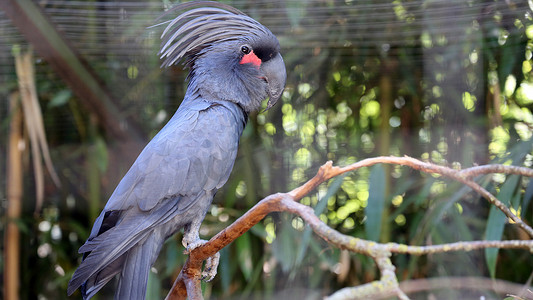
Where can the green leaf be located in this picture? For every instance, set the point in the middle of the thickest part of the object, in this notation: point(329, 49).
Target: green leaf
point(423, 196)
point(153, 290)
point(284, 246)
point(259, 230)
point(21, 225)
point(173, 256)
point(61, 98)
point(102, 156)
point(515, 200)
point(319, 208)
point(376, 203)
point(15, 50)
point(401, 188)
point(256, 275)
point(446, 205)
point(244, 248)
point(224, 269)
point(496, 221)
point(528, 195)
point(332, 190)
point(510, 60)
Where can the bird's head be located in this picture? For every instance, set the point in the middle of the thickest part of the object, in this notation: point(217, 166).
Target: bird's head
point(231, 56)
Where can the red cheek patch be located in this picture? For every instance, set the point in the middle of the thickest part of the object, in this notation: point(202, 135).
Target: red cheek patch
point(251, 58)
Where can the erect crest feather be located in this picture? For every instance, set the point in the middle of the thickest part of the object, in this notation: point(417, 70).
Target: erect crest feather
point(199, 27)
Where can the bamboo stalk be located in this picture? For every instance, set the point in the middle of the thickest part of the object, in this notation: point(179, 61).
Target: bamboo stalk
point(14, 201)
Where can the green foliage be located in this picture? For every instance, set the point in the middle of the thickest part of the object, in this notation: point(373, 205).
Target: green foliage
point(376, 203)
point(496, 221)
point(61, 98)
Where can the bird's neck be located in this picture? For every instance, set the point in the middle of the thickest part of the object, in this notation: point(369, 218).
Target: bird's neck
point(194, 95)
point(223, 86)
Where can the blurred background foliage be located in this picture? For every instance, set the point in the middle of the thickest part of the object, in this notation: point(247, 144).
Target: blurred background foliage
point(448, 81)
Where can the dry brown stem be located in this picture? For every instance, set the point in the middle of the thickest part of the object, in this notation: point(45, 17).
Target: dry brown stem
point(14, 191)
point(188, 281)
point(34, 124)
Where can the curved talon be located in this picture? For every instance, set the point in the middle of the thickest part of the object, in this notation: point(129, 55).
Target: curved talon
point(193, 245)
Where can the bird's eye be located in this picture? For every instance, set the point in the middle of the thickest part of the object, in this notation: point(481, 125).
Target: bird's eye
point(245, 49)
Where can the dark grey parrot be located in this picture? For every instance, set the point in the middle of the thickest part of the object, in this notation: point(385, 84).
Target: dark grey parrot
point(234, 63)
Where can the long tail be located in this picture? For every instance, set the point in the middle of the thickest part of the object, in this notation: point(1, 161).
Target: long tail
point(129, 248)
point(94, 283)
point(133, 266)
point(135, 270)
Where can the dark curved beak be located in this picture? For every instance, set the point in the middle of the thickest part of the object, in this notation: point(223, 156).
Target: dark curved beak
point(275, 76)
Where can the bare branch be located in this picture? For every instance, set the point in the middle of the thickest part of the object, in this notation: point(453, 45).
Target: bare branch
point(488, 169)
point(388, 284)
point(499, 286)
point(188, 282)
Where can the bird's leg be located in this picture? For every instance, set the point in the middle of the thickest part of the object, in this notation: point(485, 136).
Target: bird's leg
point(191, 240)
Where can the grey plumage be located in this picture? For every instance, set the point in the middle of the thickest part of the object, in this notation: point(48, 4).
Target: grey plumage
point(172, 183)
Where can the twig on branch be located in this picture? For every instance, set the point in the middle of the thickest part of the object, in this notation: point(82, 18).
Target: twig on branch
point(499, 286)
point(188, 281)
point(388, 284)
point(488, 169)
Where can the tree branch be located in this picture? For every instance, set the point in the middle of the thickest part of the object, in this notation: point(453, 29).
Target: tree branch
point(499, 286)
point(188, 281)
point(487, 169)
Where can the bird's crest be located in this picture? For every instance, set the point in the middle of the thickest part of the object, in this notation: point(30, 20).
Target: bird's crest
point(203, 23)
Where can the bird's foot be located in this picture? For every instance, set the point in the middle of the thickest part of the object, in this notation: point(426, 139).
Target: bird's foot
point(191, 245)
point(210, 268)
point(211, 263)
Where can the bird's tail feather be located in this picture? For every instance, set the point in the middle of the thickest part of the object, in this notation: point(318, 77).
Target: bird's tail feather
point(109, 251)
point(135, 270)
point(90, 287)
point(106, 260)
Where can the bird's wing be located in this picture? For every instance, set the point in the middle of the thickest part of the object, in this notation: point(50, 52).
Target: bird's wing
point(187, 157)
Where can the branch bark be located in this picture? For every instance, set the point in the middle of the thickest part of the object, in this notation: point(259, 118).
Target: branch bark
point(188, 281)
point(501, 287)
